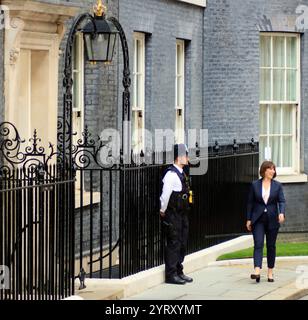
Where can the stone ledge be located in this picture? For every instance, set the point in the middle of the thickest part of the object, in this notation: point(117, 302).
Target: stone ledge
point(234, 262)
point(294, 178)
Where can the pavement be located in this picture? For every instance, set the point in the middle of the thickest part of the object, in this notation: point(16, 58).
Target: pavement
point(230, 280)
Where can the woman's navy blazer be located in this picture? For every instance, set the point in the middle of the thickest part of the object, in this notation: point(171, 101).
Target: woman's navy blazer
point(275, 204)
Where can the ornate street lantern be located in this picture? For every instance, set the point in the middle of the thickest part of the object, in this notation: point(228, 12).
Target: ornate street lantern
point(100, 36)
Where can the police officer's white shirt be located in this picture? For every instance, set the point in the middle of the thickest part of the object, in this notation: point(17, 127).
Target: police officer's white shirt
point(172, 182)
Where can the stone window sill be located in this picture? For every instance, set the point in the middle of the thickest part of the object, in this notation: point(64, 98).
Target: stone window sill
point(292, 178)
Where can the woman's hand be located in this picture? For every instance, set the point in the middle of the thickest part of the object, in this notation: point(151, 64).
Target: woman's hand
point(281, 218)
point(248, 225)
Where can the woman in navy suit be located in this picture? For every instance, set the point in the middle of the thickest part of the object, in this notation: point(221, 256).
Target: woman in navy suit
point(265, 212)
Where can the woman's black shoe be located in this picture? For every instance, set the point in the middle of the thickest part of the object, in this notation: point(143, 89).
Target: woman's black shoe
point(255, 276)
point(270, 279)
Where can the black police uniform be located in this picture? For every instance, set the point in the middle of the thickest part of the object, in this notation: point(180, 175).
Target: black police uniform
point(176, 223)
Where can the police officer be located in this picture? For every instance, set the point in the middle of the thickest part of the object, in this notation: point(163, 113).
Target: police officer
point(175, 202)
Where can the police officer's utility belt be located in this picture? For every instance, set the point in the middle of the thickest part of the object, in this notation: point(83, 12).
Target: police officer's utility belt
point(179, 201)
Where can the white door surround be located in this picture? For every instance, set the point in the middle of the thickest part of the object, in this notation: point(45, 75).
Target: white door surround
point(31, 61)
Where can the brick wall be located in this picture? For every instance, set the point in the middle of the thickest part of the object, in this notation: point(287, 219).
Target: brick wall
point(164, 22)
point(231, 79)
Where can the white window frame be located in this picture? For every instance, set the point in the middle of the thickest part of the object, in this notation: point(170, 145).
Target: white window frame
point(140, 109)
point(296, 111)
point(78, 111)
point(180, 109)
point(80, 72)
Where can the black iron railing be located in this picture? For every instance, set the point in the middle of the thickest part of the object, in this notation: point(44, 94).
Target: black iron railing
point(100, 218)
point(36, 233)
point(218, 213)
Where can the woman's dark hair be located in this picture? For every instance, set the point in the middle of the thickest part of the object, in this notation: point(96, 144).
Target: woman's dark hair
point(266, 165)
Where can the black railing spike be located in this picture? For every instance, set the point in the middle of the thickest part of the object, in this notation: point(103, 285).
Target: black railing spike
point(197, 150)
point(252, 143)
point(235, 145)
point(141, 154)
point(216, 147)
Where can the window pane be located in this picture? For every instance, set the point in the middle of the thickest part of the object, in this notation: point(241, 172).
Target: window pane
point(279, 85)
point(275, 150)
point(137, 132)
point(140, 90)
point(291, 52)
point(134, 129)
point(265, 53)
point(179, 60)
point(263, 119)
point(134, 88)
point(77, 59)
point(137, 91)
point(291, 85)
point(137, 55)
point(287, 152)
point(179, 92)
point(275, 119)
point(262, 145)
point(279, 51)
point(265, 86)
point(179, 129)
point(287, 119)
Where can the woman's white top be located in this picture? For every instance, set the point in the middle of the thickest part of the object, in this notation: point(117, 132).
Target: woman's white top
point(266, 193)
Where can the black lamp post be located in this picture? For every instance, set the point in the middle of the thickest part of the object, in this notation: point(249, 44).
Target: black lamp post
point(100, 37)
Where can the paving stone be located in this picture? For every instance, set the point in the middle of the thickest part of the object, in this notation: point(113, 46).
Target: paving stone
point(229, 283)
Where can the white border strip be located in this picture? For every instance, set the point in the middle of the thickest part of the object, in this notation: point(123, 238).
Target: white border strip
point(200, 3)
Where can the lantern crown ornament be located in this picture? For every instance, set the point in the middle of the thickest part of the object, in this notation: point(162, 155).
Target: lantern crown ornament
point(99, 9)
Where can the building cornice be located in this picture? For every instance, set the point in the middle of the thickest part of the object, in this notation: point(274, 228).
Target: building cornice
point(40, 11)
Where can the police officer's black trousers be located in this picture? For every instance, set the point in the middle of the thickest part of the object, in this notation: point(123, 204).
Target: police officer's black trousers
point(176, 227)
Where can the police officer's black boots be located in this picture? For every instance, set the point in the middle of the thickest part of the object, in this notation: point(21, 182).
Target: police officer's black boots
point(185, 278)
point(175, 280)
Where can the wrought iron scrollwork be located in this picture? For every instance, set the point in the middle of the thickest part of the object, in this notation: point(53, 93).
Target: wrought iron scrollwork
point(17, 153)
point(92, 152)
